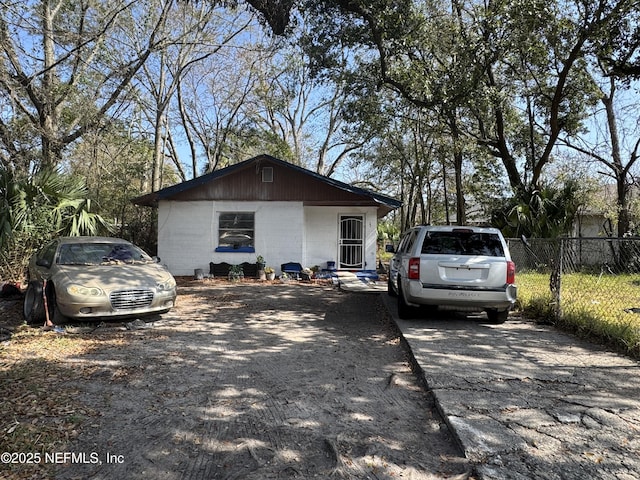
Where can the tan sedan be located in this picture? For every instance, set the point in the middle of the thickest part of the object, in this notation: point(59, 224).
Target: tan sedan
point(96, 277)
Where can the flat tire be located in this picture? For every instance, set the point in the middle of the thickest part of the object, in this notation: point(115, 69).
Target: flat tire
point(33, 307)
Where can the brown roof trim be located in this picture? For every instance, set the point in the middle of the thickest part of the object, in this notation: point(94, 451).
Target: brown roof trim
point(383, 202)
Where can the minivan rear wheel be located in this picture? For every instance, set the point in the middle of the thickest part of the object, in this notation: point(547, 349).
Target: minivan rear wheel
point(497, 316)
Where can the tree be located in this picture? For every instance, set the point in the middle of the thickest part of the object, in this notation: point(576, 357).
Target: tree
point(618, 47)
point(611, 71)
point(408, 156)
point(307, 113)
point(617, 153)
point(214, 102)
point(36, 209)
point(53, 97)
point(115, 168)
point(275, 12)
point(510, 74)
point(201, 31)
point(545, 213)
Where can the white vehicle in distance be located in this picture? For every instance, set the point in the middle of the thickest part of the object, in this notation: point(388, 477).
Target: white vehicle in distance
point(454, 268)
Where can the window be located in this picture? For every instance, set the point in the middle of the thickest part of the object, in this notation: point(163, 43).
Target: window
point(236, 232)
point(463, 243)
point(100, 254)
point(407, 242)
point(48, 253)
point(267, 174)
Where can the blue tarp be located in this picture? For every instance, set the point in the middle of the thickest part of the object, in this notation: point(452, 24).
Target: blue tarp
point(363, 275)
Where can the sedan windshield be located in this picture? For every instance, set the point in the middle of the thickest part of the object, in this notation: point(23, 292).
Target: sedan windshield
point(101, 254)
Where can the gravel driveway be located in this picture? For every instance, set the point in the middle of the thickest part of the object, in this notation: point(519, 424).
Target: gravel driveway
point(262, 381)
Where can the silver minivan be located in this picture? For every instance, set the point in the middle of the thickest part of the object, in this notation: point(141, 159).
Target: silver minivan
point(453, 267)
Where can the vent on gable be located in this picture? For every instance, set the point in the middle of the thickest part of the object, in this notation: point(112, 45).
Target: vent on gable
point(267, 174)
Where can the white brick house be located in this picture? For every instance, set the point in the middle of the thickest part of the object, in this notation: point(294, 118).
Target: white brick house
point(268, 207)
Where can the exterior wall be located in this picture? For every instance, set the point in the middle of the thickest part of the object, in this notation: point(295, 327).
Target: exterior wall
point(589, 225)
point(284, 232)
point(188, 234)
point(321, 232)
point(279, 232)
point(184, 235)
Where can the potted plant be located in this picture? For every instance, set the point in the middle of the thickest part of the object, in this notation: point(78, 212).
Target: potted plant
point(235, 273)
point(270, 273)
point(260, 264)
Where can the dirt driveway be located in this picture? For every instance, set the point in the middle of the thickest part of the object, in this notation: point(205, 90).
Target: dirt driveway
point(260, 381)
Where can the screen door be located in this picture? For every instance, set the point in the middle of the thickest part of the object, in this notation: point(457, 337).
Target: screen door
point(351, 242)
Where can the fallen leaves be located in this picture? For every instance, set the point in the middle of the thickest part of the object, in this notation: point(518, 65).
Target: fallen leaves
point(38, 397)
point(39, 373)
point(40, 411)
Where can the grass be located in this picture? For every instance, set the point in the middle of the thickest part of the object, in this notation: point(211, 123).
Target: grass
point(598, 307)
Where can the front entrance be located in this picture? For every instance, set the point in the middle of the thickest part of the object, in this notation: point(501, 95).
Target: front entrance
point(351, 242)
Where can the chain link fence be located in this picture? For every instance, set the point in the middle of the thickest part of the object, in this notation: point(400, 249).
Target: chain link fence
point(589, 284)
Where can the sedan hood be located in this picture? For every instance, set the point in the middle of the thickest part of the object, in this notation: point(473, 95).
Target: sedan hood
point(113, 277)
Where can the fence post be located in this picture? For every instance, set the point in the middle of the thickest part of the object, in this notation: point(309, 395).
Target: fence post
point(555, 282)
point(563, 245)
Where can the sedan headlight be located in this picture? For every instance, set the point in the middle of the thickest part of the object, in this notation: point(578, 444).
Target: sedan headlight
point(166, 284)
point(79, 290)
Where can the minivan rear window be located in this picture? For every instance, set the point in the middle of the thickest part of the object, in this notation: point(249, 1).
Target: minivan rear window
point(463, 243)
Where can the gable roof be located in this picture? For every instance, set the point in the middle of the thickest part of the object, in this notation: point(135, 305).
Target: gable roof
point(243, 181)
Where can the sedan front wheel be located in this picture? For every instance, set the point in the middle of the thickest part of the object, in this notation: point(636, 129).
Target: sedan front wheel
point(33, 307)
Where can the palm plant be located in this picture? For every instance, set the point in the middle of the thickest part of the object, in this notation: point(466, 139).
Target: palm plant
point(545, 213)
point(35, 209)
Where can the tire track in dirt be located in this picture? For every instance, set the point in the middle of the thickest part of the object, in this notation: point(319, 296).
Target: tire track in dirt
point(265, 382)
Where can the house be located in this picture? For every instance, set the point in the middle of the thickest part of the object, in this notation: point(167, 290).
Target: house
point(265, 206)
point(595, 218)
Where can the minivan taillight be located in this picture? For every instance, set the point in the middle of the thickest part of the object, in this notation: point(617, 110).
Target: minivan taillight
point(414, 268)
point(511, 273)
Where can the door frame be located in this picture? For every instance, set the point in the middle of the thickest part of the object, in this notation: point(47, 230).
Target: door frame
point(349, 245)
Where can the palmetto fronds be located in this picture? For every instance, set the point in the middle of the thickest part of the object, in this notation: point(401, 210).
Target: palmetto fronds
point(36, 208)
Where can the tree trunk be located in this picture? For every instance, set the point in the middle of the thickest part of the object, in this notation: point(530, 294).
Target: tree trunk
point(445, 192)
point(461, 215)
point(160, 119)
point(619, 171)
point(51, 150)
